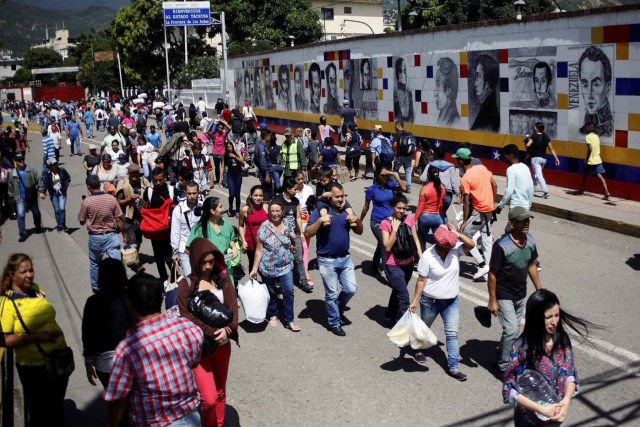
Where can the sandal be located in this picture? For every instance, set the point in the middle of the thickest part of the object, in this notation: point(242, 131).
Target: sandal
point(606, 196)
point(292, 327)
point(273, 321)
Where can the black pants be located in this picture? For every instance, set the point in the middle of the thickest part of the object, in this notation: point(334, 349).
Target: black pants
point(353, 162)
point(43, 397)
point(251, 255)
point(369, 163)
point(161, 253)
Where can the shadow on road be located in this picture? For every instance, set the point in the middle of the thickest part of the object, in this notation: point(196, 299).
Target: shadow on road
point(316, 311)
point(253, 328)
point(480, 353)
point(231, 417)
point(376, 313)
point(93, 415)
point(634, 262)
point(402, 363)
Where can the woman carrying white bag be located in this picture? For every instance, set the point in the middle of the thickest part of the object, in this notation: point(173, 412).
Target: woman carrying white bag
point(438, 289)
point(255, 300)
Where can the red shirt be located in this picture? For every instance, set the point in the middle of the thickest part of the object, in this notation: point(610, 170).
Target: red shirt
point(152, 366)
point(428, 201)
point(252, 223)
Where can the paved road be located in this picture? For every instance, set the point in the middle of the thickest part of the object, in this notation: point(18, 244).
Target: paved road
point(316, 379)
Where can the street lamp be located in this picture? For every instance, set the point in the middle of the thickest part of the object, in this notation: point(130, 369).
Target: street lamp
point(292, 40)
point(431, 9)
point(344, 24)
point(519, 5)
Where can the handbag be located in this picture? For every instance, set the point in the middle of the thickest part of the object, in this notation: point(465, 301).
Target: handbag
point(208, 308)
point(171, 287)
point(129, 255)
point(58, 363)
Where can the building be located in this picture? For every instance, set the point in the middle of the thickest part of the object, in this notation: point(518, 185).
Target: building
point(350, 18)
point(8, 64)
point(60, 43)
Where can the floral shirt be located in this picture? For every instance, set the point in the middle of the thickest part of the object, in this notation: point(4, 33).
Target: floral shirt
point(558, 370)
point(277, 259)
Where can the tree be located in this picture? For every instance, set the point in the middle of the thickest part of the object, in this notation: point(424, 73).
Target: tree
point(22, 76)
point(42, 57)
point(440, 12)
point(204, 67)
point(273, 20)
point(97, 76)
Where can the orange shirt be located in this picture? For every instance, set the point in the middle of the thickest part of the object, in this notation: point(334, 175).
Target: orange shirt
point(428, 201)
point(477, 182)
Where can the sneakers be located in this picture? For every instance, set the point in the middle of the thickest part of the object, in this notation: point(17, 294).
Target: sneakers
point(420, 357)
point(458, 376)
point(545, 195)
point(538, 266)
point(22, 239)
point(353, 178)
point(481, 272)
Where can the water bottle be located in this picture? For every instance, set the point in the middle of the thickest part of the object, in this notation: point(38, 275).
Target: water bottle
point(532, 385)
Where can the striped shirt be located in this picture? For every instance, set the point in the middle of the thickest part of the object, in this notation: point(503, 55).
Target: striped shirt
point(48, 148)
point(153, 366)
point(510, 263)
point(100, 211)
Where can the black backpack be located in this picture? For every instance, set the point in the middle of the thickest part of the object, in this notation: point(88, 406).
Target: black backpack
point(236, 125)
point(404, 246)
point(407, 144)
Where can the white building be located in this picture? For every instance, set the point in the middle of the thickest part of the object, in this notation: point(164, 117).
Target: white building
point(60, 43)
point(8, 64)
point(350, 18)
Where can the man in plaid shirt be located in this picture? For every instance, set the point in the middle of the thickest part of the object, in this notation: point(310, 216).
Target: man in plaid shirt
point(152, 366)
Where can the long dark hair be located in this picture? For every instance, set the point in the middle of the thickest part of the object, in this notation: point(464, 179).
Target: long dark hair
point(112, 277)
point(533, 334)
point(249, 201)
point(433, 175)
point(209, 204)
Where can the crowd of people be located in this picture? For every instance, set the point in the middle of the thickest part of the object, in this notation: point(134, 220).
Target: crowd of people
point(140, 186)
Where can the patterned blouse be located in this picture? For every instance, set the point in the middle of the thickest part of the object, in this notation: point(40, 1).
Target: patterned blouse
point(277, 259)
point(558, 370)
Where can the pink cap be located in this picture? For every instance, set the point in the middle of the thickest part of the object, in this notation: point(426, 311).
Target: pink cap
point(445, 238)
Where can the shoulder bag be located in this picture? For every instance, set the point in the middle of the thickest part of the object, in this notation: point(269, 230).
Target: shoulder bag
point(58, 363)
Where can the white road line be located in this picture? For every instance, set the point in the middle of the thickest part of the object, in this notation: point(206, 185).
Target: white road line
point(479, 297)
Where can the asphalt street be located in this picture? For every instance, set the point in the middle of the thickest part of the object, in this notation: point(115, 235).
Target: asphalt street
point(313, 378)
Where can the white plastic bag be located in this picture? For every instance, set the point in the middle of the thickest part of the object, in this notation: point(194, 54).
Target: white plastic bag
point(68, 141)
point(411, 330)
point(254, 297)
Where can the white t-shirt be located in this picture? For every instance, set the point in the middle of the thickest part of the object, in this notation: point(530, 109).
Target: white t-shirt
point(247, 112)
point(144, 150)
point(442, 277)
point(202, 107)
point(55, 136)
point(302, 196)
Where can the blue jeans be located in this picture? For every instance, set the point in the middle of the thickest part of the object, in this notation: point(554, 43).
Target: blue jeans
point(275, 177)
point(89, 130)
point(75, 142)
point(399, 278)
point(406, 163)
point(449, 310)
point(337, 274)
point(235, 183)
point(191, 419)
point(380, 252)
point(445, 206)
point(428, 222)
point(21, 210)
point(59, 202)
point(145, 169)
point(538, 163)
point(509, 315)
point(286, 282)
point(100, 244)
point(185, 263)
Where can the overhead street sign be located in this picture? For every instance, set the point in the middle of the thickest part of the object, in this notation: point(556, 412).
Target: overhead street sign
point(189, 13)
point(102, 56)
point(35, 71)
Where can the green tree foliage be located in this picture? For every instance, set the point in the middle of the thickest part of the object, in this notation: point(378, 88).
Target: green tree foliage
point(436, 12)
point(96, 76)
point(44, 57)
point(21, 77)
point(273, 20)
point(139, 37)
point(203, 67)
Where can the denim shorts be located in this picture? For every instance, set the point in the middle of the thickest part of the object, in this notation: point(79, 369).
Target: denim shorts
point(594, 170)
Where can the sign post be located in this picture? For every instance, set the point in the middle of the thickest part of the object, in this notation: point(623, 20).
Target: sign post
point(188, 13)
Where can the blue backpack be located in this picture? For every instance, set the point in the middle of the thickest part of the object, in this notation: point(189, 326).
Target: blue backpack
point(386, 150)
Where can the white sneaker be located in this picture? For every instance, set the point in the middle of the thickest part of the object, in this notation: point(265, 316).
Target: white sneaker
point(482, 271)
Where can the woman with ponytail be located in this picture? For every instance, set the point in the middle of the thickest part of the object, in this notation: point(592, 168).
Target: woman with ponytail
point(252, 215)
point(430, 203)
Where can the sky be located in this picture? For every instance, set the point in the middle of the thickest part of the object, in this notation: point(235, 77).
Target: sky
point(74, 4)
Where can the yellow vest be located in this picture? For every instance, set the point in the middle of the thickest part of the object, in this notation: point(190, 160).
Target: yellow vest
point(290, 157)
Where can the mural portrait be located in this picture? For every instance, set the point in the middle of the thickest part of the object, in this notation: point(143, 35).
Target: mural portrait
point(348, 80)
point(239, 77)
point(301, 103)
point(363, 88)
point(446, 92)
point(402, 97)
point(521, 122)
point(258, 100)
point(484, 91)
point(246, 86)
point(268, 88)
point(591, 90)
point(284, 89)
point(532, 74)
point(315, 88)
point(332, 106)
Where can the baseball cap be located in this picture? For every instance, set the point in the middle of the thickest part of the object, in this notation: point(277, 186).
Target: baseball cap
point(462, 153)
point(519, 213)
point(51, 161)
point(122, 156)
point(93, 147)
point(345, 102)
point(18, 156)
point(377, 128)
point(287, 132)
point(133, 168)
point(263, 125)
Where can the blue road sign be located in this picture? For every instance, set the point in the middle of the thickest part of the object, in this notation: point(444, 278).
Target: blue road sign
point(190, 13)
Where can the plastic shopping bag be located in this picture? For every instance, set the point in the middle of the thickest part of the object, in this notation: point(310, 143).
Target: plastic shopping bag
point(68, 141)
point(411, 330)
point(171, 287)
point(254, 297)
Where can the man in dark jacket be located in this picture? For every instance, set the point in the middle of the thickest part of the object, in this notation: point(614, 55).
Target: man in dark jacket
point(24, 183)
point(55, 181)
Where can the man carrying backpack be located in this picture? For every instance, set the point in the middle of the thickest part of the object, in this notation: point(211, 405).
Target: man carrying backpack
point(405, 145)
point(381, 149)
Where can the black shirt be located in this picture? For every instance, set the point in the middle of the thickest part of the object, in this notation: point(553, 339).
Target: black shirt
point(181, 126)
point(157, 196)
point(233, 166)
point(289, 211)
point(539, 146)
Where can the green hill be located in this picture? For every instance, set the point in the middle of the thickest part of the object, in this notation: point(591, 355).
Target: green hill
point(22, 26)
